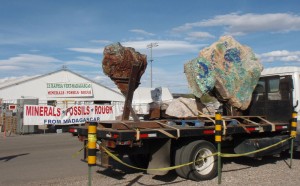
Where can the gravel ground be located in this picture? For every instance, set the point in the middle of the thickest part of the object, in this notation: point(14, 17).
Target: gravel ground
point(271, 171)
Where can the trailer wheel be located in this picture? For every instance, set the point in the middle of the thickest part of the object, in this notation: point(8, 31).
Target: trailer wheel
point(139, 160)
point(178, 161)
point(205, 169)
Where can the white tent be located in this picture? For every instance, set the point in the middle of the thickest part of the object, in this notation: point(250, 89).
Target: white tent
point(143, 96)
point(40, 87)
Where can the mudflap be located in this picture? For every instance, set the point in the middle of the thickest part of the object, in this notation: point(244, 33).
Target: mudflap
point(250, 145)
point(159, 157)
point(103, 157)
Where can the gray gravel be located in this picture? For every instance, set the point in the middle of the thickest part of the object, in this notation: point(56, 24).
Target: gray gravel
point(240, 171)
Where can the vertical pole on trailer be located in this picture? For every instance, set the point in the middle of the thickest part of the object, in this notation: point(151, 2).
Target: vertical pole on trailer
point(293, 134)
point(85, 149)
point(92, 139)
point(292, 149)
point(132, 84)
point(4, 124)
point(218, 139)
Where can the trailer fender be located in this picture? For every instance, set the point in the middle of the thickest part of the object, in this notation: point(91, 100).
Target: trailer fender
point(297, 139)
point(249, 145)
point(159, 157)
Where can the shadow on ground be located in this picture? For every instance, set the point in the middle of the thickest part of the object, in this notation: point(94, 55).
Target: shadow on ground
point(8, 158)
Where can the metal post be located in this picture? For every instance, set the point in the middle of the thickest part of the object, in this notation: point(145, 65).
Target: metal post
point(84, 150)
point(151, 45)
point(219, 164)
point(293, 134)
point(292, 150)
point(4, 124)
point(218, 139)
point(151, 60)
point(90, 176)
point(92, 139)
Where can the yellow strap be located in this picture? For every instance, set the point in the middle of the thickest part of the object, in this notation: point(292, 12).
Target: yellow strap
point(224, 127)
point(206, 116)
point(268, 122)
point(261, 129)
point(178, 130)
point(165, 133)
point(138, 134)
point(76, 153)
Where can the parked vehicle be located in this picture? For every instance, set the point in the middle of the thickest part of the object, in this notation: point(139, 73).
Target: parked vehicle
point(167, 142)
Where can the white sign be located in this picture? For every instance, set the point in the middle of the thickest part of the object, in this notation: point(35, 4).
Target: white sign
point(78, 114)
point(69, 90)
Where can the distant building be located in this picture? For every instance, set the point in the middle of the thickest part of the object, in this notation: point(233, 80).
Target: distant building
point(62, 87)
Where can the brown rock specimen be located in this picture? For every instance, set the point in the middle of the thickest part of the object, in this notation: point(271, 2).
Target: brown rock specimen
point(117, 64)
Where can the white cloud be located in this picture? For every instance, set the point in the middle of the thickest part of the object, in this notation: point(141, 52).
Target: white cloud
point(162, 77)
point(86, 58)
point(143, 32)
point(27, 64)
point(165, 47)
point(199, 36)
point(88, 50)
point(101, 41)
point(280, 55)
point(7, 67)
point(237, 24)
point(104, 80)
point(100, 78)
point(28, 58)
point(82, 63)
point(12, 79)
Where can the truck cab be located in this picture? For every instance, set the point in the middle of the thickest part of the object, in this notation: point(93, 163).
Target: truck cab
point(277, 95)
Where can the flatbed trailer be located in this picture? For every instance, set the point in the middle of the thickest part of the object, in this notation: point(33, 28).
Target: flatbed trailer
point(157, 144)
point(271, 119)
point(121, 131)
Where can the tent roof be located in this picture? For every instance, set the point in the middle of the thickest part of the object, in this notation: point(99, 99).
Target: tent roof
point(24, 79)
point(13, 88)
point(143, 95)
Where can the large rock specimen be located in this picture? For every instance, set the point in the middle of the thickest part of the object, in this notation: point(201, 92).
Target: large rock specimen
point(187, 107)
point(227, 67)
point(117, 64)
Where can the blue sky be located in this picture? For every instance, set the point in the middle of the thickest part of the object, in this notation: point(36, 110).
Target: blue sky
point(40, 36)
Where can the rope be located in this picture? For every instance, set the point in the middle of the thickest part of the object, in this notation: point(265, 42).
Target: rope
point(225, 155)
point(153, 169)
point(259, 150)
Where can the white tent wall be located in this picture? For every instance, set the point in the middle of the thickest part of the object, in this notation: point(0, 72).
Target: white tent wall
point(142, 97)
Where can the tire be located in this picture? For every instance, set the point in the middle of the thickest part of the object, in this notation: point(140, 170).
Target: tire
point(206, 169)
point(139, 160)
point(178, 161)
